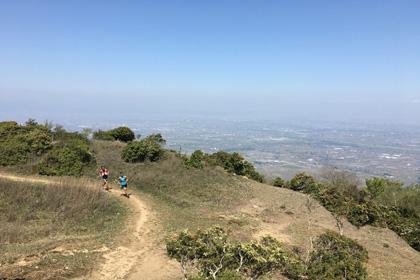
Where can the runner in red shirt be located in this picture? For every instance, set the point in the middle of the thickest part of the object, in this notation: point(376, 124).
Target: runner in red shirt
point(104, 174)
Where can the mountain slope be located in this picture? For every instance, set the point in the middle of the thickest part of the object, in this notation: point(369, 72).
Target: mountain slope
point(190, 198)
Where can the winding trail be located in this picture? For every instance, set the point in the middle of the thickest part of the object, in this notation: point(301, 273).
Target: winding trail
point(141, 253)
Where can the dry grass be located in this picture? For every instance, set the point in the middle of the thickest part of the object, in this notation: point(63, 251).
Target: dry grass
point(53, 231)
point(196, 197)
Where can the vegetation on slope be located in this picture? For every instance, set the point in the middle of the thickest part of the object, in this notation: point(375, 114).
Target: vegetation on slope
point(195, 198)
point(210, 255)
point(147, 149)
point(121, 133)
point(382, 203)
point(233, 163)
point(52, 231)
point(19, 142)
point(48, 150)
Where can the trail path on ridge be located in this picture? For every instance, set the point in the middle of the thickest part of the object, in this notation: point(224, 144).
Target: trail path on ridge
point(141, 252)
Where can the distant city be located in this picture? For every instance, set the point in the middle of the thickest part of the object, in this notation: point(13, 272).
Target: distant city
point(280, 149)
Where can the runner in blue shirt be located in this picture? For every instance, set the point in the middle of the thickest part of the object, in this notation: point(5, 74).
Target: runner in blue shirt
point(123, 180)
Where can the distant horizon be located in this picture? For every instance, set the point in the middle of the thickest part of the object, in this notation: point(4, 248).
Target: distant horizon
point(106, 122)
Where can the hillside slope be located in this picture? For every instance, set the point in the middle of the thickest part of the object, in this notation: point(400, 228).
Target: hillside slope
point(189, 198)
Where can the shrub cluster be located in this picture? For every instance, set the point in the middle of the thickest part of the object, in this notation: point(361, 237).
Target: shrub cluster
point(55, 151)
point(121, 133)
point(337, 257)
point(19, 142)
point(215, 257)
point(69, 156)
point(232, 162)
point(383, 203)
point(147, 149)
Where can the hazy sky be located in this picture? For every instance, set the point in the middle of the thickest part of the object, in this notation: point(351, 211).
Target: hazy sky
point(334, 60)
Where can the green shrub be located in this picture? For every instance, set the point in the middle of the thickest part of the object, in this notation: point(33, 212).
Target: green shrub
point(279, 182)
point(121, 133)
point(337, 257)
point(196, 160)
point(148, 149)
point(210, 255)
point(19, 142)
point(215, 257)
point(236, 164)
point(303, 182)
point(382, 203)
point(376, 186)
point(61, 152)
point(157, 138)
point(103, 135)
point(65, 160)
point(68, 157)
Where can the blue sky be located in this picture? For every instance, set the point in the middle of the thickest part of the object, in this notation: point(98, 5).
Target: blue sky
point(349, 60)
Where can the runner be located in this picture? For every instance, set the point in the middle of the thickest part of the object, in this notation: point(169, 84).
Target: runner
point(123, 180)
point(104, 174)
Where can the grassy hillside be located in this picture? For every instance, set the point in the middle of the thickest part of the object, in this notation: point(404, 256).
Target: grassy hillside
point(54, 231)
point(72, 222)
point(199, 198)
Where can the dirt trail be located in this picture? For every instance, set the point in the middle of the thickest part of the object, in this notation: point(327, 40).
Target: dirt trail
point(141, 254)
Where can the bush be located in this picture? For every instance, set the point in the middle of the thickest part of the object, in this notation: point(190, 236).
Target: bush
point(19, 142)
point(103, 135)
point(236, 164)
point(65, 160)
point(279, 182)
point(376, 186)
point(196, 160)
point(303, 182)
point(149, 149)
point(69, 156)
point(337, 257)
point(382, 203)
point(215, 257)
point(121, 133)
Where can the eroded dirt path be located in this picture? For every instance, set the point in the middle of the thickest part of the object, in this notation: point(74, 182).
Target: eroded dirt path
point(141, 251)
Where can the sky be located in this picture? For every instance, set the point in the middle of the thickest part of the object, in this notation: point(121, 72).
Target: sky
point(287, 60)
